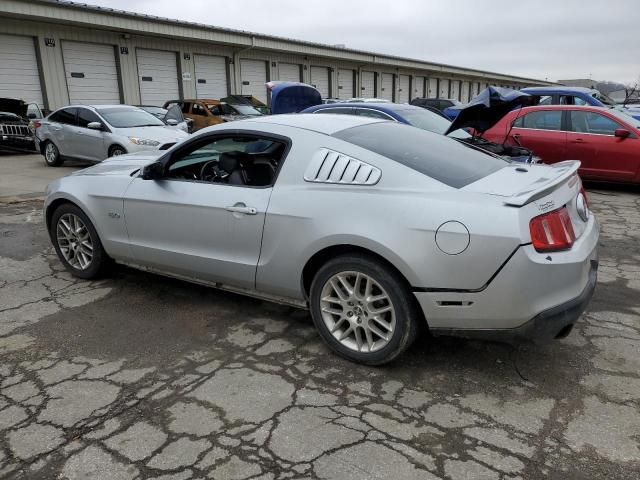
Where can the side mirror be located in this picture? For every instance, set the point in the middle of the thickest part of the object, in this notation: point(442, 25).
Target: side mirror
point(172, 122)
point(94, 125)
point(621, 133)
point(32, 116)
point(153, 171)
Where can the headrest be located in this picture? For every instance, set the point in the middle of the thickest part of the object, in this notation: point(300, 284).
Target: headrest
point(230, 161)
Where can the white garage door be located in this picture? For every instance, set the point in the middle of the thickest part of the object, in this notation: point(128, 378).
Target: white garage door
point(465, 92)
point(432, 88)
point(386, 86)
point(289, 72)
point(253, 75)
point(320, 80)
point(455, 89)
point(345, 84)
point(367, 84)
point(211, 76)
point(418, 87)
point(92, 75)
point(158, 76)
point(19, 76)
point(404, 87)
point(444, 88)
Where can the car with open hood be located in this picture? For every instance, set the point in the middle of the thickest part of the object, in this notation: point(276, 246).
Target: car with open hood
point(16, 123)
point(93, 133)
point(377, 227)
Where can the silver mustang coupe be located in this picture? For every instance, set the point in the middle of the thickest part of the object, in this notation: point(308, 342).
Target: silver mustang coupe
point(375, 226)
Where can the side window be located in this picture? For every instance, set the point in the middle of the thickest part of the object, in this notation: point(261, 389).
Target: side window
point(543, 120)
point(364, 112)
point(197, 109)
point(591, 122)
point(220, 110)
point(249, 161)
point(174, 113)
point(33, 111)
point(85, 117)
point(343, 110)
point(66, 116)
point(185, 107)
point(545, 100)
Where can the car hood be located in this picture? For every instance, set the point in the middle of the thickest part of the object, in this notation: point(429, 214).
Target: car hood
point(488, 107)
point(13, 105)
point(162, 134)
point(9, 118)
point(123, 165)
point(292, 97)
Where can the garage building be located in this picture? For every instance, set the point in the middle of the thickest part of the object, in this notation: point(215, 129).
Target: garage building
point(55, 53)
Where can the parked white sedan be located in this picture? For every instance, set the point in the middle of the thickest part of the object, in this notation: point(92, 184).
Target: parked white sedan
point(93, 133)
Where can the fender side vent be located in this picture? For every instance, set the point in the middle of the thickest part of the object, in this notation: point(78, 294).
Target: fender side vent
point(328, 166)
point(454, 303)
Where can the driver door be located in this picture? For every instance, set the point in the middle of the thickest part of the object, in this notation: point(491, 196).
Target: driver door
point(193, 228)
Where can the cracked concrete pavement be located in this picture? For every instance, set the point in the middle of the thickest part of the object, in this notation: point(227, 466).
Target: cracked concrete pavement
point(136, 377)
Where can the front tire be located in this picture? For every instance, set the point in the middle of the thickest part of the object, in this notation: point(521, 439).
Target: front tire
point(116, 151)
point(363, 309)
point(51, 155)
point(76, 242)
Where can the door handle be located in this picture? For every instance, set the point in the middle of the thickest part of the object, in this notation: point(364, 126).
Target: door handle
point(79, 132)
point(242, 208)
point(578, 140)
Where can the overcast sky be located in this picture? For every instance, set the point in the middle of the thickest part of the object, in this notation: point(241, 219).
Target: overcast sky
point(554, 39)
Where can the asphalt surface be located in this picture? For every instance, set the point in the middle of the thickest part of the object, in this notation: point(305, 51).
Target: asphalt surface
point(137, 376)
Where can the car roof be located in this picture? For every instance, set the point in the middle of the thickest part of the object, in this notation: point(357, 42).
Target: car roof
point(316, 123)
point(559, 89)
point(383, 107)
point(592, 108)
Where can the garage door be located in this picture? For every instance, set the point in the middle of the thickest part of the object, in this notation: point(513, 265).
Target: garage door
point(465, 92)
point(345, 84)
point(386, 86)
point(253, 75)
point(455, 89)
point(418, 87)
point(320, 80)
point(211, 76)
point(158, 76)
point(443, 91)
point(367, 84)
point(19, 76)
point(289, 72)
point(91, 72)
point(432, 88)
point(404, 88)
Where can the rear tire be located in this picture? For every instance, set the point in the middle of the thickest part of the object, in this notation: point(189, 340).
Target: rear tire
point(363, 309)
point(77, 243)
point(116, 150)
point(51, 155)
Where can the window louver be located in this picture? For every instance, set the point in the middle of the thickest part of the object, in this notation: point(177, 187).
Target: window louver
point(328, 166)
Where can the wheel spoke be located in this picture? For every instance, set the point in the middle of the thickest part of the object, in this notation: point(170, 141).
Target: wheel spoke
point(347, 286)
point(367, 332)
point(338, 324)
point(378, 333)
point(380, 310)
point(332, 311)
point(358, 335)
point(338, 290)
point(346, 333)
point(382, 323)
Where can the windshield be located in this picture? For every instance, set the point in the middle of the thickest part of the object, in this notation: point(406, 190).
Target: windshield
point(244, 110)
point(603, 98)
point(156, 111)
point(441, 158)
point(129, 117)
point(430, 121)
point(625, 117)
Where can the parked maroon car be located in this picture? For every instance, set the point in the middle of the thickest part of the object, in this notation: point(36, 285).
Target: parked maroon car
point(606, 141)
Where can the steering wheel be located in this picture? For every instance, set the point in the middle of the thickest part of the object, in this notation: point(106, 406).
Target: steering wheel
point(210, 172)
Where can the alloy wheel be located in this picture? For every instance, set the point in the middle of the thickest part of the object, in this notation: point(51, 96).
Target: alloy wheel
point(50, 153)
point(74, 241)
point(357, 311)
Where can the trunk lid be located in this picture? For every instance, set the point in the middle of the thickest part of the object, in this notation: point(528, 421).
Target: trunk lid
point(535, 190)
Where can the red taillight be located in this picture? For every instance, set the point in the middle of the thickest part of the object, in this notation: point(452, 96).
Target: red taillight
point(36, 124)
point(552, 231)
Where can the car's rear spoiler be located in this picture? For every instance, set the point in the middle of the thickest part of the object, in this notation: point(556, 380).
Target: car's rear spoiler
point(563, 171)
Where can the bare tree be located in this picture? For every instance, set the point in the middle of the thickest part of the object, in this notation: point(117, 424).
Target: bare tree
point(631, 91)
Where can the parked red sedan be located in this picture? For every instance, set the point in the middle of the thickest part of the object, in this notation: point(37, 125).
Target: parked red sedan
point(606, 141)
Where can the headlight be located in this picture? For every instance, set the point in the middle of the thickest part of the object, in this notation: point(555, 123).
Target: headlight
point(144, 141)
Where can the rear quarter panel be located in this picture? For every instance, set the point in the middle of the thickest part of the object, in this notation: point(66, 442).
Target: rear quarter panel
point(397, 219)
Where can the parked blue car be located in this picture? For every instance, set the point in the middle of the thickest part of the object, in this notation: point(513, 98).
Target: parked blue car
point(424, 119)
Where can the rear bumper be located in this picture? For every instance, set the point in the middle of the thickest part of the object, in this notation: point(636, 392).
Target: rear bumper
point(556, 322)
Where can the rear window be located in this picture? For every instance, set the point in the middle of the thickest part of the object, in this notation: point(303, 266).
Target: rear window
point(441, 158)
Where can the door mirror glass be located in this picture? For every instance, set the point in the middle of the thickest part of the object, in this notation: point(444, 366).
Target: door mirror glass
point(94, 125)
point(621, 133)
point(153, 171)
